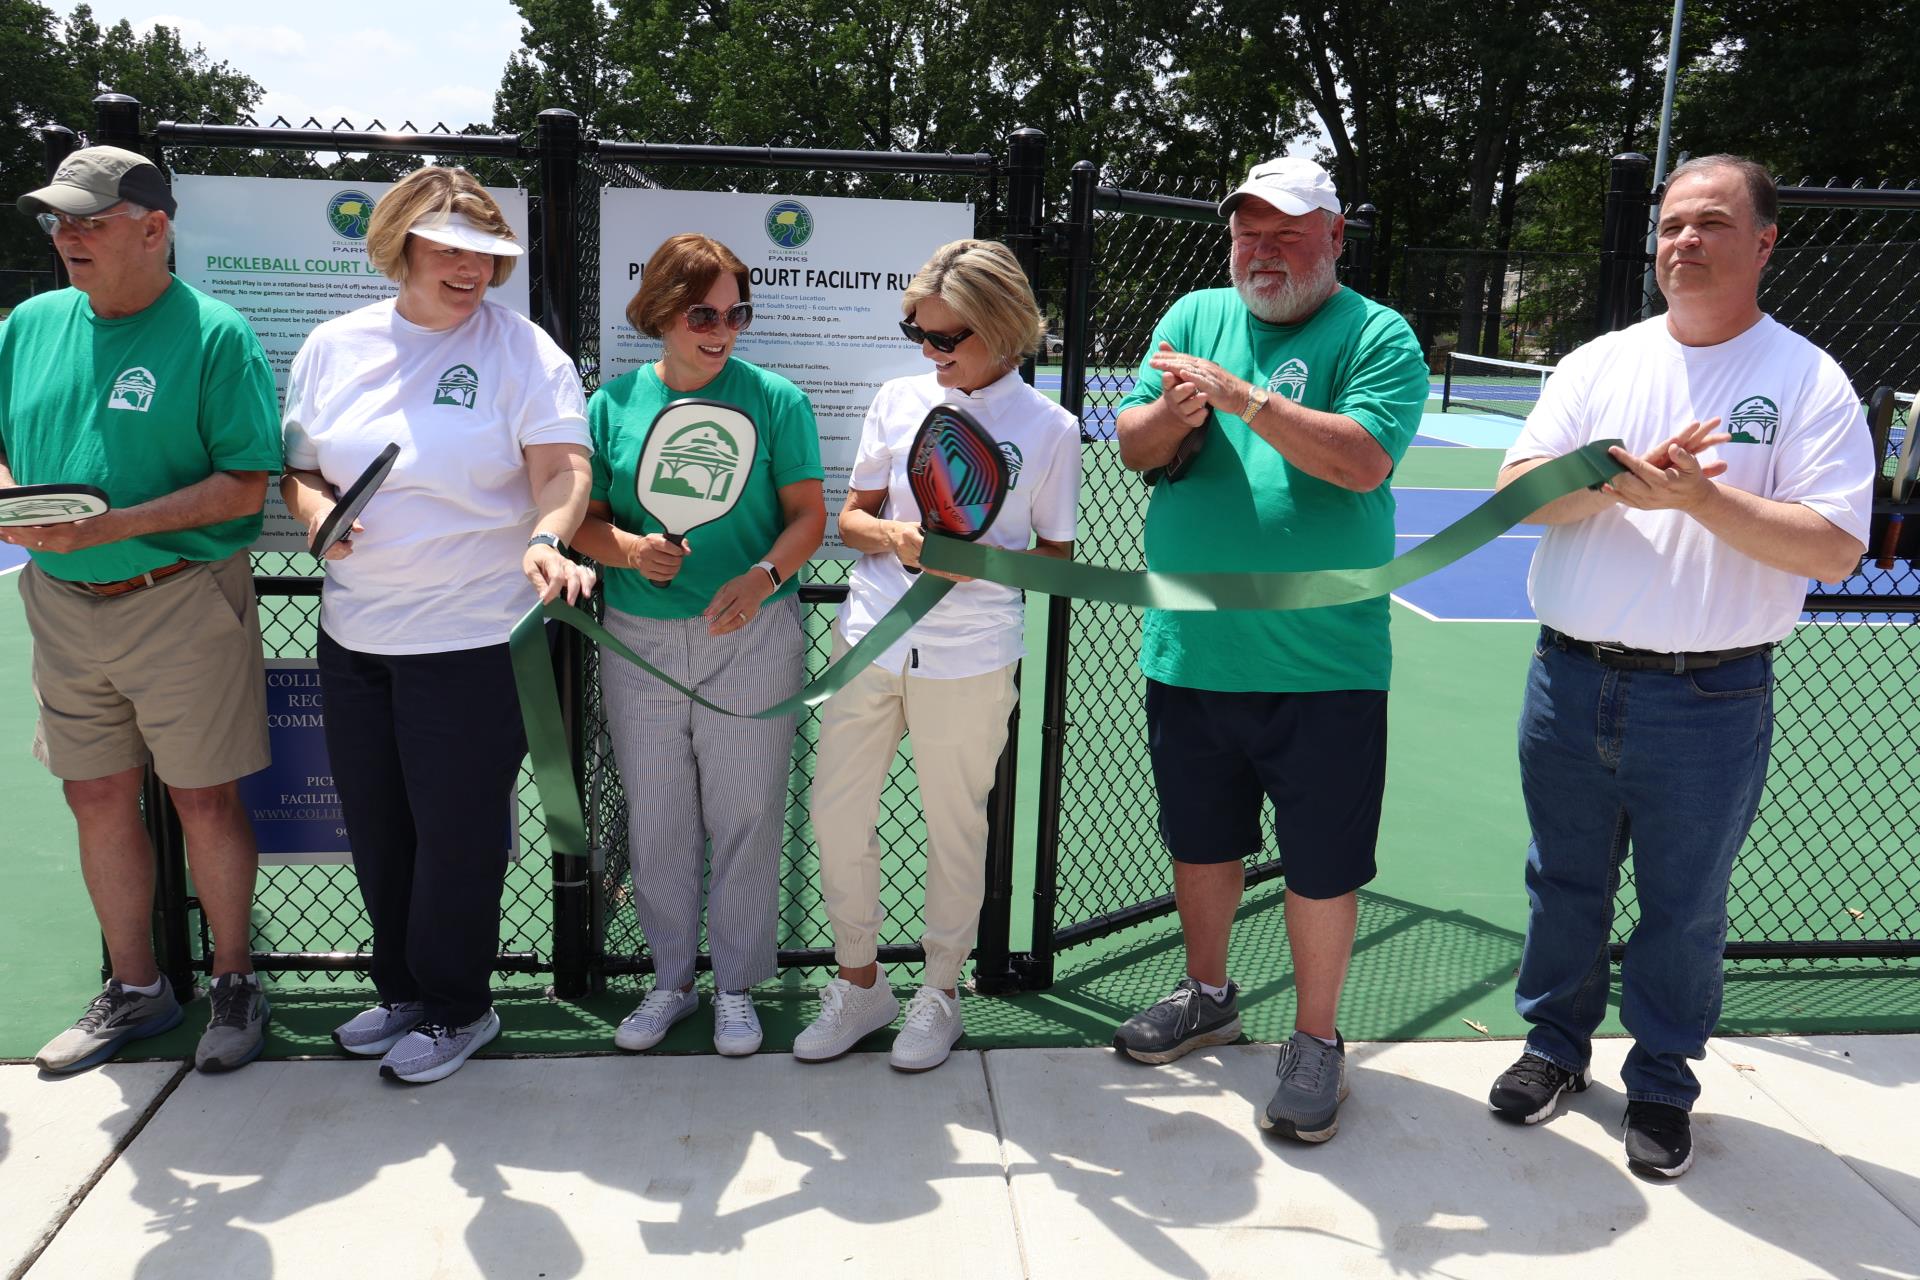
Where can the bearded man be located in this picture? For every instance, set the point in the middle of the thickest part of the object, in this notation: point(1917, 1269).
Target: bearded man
point(1305, 395)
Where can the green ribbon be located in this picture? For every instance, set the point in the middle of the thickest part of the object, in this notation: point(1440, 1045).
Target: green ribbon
point(547, 734)
point(1307, 589)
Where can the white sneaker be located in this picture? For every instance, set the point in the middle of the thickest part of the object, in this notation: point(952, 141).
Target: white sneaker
point(933, 1025)
point(847, 1013)
point(648, 1024)
point(736, 1028)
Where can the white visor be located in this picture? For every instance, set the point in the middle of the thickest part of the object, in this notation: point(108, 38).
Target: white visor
point(461, 232)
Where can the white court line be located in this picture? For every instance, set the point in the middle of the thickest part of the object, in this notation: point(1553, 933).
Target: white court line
point(17, 568)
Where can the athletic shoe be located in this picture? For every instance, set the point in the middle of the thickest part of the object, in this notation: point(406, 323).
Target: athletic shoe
point(847, 1014)
point(1530, 1089)
point(1659, 1138)
point(1313, 1084)
point(237, 1027)
point(1180, 1023)
point(650, 1021)
point(736, 1028)
point(933, 1025)
point(371, 1032)
point(433, 1051)
point(113, 1017)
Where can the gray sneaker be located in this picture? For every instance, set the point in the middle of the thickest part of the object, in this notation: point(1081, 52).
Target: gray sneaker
point(371, 1032)
point(1313, 1084)
point(1186, 1020)
point(433, 1051)
point(237, 1027)
point(114, 1017)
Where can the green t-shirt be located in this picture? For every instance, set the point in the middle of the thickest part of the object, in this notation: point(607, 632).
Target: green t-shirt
point(1242, 507)
point(138, 406)
point(619, 415)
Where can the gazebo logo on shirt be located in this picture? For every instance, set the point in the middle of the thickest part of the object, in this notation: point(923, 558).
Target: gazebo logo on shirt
point(1011, 452)
point(1753, 421)
point(698, 461)
point(1290, 380)
point(133, 390)
point(457, 386)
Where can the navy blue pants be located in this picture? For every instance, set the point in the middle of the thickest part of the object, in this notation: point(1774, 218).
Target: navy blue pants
point(426, 748)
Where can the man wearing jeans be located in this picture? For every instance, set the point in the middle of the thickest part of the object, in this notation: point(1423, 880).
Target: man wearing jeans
point(1648, 710)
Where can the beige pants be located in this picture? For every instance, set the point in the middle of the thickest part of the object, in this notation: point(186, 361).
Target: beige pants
point(958, 728)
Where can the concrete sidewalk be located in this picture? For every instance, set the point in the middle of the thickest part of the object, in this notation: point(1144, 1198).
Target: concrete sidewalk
point(1011, 1163)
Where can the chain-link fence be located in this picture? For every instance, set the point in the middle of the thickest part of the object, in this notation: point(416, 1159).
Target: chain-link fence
point(1529, 305)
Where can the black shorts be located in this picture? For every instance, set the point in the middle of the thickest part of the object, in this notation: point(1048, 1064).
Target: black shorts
point(1321, 758)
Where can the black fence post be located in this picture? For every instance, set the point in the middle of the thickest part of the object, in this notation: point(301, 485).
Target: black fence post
point(558, 142)
point(1623, 228)
point(116, 122)
point(1360, 225)
point(1026, 172)
point(59, 143)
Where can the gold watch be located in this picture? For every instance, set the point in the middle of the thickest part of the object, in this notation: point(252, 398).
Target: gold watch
point(1256, 401)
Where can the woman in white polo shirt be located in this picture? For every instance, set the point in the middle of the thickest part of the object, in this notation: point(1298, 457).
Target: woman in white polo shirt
point(949, 681)
point(463, 538)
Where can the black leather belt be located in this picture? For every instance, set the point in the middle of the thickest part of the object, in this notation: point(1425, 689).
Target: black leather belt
point(1621, 658)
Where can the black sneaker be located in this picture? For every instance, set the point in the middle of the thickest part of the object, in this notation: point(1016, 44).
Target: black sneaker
point(1176, 1025)
point(1659, 1139)
point(1529, 1090)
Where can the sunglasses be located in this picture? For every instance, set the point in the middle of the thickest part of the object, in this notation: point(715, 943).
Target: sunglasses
point(701, 318)
point(52, 222)
point(941, 342)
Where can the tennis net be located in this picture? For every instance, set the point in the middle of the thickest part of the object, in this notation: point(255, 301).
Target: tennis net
point(1509, 387)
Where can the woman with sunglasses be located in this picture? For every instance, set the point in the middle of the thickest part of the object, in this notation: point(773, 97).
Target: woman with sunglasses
point(464, 536)
point(727, 625)
point(950, 681)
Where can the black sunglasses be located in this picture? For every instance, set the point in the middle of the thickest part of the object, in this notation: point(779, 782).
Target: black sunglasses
point(941, 342)
point(701, 317)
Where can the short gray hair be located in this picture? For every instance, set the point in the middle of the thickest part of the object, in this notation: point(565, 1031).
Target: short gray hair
point(1762, 192)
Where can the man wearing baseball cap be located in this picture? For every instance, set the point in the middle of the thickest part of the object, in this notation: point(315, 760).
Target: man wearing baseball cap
point(1268, 419)
point(146, 644)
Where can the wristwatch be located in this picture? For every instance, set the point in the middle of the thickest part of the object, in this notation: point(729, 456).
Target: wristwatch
point(1256, 401)
point(772, 572)
point(548, 540)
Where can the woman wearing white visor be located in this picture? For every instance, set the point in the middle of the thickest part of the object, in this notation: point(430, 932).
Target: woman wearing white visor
point(465, 535)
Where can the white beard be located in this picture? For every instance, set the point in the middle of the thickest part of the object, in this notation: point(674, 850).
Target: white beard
point(1296, 297)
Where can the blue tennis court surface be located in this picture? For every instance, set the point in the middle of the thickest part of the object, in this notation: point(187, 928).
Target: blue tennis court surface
point(11, 557)
point(1489, 585)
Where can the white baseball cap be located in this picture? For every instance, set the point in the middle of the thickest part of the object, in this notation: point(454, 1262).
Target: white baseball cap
point(1290, 184)
point(462, 232)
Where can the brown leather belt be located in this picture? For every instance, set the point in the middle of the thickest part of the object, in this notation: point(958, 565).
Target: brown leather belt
point(135, 583)
point(1621, 658)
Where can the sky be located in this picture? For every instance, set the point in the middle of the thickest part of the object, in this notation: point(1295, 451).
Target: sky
point(428, 61)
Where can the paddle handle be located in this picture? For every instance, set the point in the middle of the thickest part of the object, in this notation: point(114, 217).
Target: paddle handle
point(678, 540)
point(1889, 541)
point(913, 570)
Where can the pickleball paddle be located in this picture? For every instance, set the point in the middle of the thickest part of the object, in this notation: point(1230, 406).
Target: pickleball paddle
point(338, 525)
point(693, 465)
point(31, 504)
point(957, 474)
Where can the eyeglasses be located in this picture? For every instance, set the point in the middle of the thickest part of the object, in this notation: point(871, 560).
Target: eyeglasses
point(941, 342)
point(701, 318)
point(52, 222)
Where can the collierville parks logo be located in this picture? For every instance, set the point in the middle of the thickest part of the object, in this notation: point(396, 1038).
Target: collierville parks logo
point(133, 390)
point(789, 224)
point(1011, 452)
point(457, 386)
point(1290, 380)
point(349, 212)
point(698, 461)
point(1753, 421)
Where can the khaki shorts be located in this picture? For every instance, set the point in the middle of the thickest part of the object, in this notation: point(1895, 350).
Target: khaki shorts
point(172, 670)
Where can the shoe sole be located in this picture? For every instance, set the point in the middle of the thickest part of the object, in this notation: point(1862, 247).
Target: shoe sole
point(113, 1046)
point(373, 1048)
point(665, 1031)
point(1288, 1129)
point(842, 1050)
point(1226, 1033)
point(1643, 1167)
point(915, 1068)
point(215, 1066)
point(447, 1068)
point(1580, 1084)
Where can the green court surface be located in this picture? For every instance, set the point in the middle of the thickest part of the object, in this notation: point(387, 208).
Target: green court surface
point(1440, 930)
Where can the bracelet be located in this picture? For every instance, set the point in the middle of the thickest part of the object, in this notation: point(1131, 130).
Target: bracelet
point(772, 572)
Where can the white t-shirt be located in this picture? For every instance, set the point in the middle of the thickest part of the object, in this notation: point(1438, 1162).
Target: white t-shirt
point(438, 566)
point(978, 627)
point(1657, 579)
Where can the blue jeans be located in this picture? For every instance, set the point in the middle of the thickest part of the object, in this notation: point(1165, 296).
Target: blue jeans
point(1671, 766)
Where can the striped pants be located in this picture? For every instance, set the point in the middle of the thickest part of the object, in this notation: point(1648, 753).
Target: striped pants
point(692, 776)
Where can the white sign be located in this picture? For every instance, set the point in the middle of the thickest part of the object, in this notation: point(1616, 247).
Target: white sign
point(825, 273)
point(289, 254)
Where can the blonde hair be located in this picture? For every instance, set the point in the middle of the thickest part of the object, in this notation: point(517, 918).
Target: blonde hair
point(680, 273)
point(983, 283)
point(429, 190)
